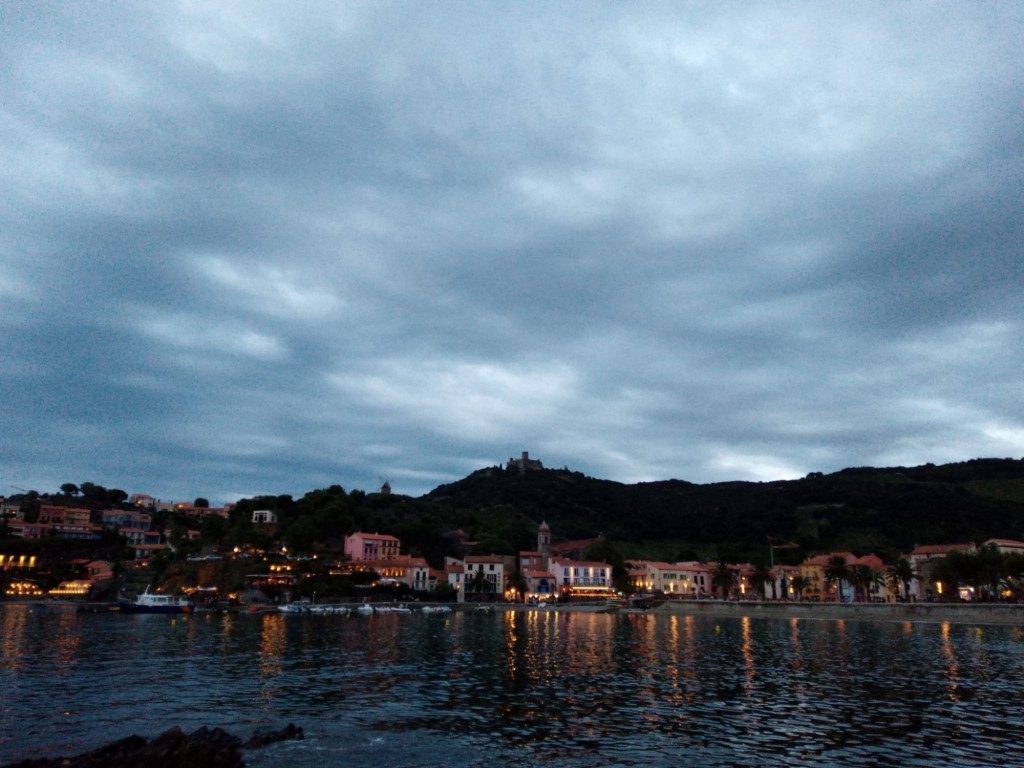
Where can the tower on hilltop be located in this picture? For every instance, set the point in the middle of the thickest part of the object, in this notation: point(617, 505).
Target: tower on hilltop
point(524, 464)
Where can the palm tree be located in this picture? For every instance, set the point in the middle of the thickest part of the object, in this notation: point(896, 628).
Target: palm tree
point(945, 575)
point(760, 576)
point(863, 577)
point(799, 583)
point(836, 572)
point(901, 573)
point(722, 578)
point(517, 582)
point(478, 583)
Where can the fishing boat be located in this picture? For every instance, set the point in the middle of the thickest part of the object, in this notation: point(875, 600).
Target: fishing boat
point(150, 602)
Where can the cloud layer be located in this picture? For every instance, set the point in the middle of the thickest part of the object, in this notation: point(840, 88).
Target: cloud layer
point(253, 248)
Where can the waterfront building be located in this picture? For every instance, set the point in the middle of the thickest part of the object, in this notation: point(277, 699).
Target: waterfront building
point(685, 579)
point(924, 560)
point(486, 576)
point(541, 585)
point(818, 587)
point(1006, 546)
point(581, 579)
point(417, 574)
point(393, 569)
point(455, 574)
point(371, 546)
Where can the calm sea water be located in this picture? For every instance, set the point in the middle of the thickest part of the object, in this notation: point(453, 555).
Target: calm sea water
point(520, 689)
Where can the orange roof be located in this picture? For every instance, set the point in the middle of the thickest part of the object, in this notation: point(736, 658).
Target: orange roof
point(940, 549)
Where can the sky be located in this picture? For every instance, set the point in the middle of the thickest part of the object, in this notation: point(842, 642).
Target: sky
point(268, 247)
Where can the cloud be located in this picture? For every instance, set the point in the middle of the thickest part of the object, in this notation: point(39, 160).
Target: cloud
point(266, 248)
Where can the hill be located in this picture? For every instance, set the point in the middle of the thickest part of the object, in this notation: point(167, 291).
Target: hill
point(886, 510)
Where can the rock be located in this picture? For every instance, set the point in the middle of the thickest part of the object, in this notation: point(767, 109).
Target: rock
point(205, 748)
point(288, 733)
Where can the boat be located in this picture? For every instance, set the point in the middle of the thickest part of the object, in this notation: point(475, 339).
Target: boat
point(299, 606)
point(393, 609)
point(436, 609)
point(328, 609)
point(150, 602)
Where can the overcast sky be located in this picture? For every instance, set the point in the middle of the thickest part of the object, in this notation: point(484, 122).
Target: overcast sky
point(268, 247)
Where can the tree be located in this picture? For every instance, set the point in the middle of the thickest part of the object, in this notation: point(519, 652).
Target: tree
point(945, 575)
point(117, 496)
point(989, 571)
point(93, 492)
point(901, 573)
point(517, 582)
point(863, 577)
point(799, 584)
point(301, 535)
point(212, 529)
point(836, 572)
point(445, 593)
point(201, 503)
point(479, 583)
point(69, 489)
point(759, 577)
point(722, 578)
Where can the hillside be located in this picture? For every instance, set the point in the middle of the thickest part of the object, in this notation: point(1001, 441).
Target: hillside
point(887, 510)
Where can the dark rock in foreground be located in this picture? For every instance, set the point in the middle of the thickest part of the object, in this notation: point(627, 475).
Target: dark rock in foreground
point(289, 733)
point(204, 748)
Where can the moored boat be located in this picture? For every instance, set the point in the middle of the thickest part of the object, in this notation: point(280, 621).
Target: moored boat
point(151, 602)
point(299, 606)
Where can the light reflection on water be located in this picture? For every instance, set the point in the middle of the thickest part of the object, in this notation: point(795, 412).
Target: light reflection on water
point(520, 688)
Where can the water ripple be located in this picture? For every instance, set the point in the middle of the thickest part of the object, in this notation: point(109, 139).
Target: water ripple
point(521, 689)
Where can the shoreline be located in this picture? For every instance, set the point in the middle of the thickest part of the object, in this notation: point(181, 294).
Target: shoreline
point(1001, 614)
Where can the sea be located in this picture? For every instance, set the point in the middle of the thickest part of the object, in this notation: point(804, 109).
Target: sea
point(519, 688)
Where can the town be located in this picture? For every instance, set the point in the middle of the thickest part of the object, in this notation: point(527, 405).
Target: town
point(92, 544)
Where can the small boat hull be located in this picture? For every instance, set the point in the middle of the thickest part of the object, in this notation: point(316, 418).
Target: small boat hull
point(172, 608)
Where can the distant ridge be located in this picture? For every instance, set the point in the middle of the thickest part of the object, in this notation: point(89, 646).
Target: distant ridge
point(860, 508)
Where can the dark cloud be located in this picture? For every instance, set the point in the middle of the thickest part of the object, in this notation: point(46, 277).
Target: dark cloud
point(261, 249)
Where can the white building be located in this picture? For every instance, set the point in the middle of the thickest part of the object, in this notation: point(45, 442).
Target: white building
point(689, 579)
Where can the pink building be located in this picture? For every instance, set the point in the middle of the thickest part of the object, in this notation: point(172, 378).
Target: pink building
point(371, 546)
